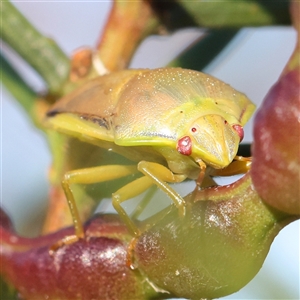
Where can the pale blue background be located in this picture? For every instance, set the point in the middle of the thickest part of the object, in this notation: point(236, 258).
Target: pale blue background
point(251, 64)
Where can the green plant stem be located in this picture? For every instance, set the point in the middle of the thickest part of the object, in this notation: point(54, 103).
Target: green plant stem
point(42, 53)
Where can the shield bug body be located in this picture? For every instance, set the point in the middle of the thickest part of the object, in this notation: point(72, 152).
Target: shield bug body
point(172, 122)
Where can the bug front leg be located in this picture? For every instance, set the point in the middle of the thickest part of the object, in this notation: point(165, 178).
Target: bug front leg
point(160, 175)
point(240, 165)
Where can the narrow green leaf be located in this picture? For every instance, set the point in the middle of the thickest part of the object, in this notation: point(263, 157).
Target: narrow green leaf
point(16, 85)
point(205, 50)
point(42, 53)
point(222, 13)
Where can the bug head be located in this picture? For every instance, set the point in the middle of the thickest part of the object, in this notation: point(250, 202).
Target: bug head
point(211, 139)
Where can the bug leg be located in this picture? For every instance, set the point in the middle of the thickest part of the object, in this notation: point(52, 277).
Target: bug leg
point(240, 165)
point(130, 254)
point(143, 203)
point(129, 191)
point(201, 176)
point(87, 176)
point(244, 159)
point(160, 175)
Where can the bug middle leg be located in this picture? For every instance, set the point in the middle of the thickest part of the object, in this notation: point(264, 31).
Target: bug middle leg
point(89, 176)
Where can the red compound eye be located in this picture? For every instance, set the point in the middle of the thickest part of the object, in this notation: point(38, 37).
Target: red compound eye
point(184, 145)
point(240, 131)
point(194, 129)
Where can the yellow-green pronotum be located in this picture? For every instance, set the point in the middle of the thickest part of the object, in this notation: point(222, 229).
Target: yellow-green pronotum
point(172, 122)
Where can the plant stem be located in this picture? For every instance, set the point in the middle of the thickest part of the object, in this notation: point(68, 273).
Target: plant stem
point(128, 23)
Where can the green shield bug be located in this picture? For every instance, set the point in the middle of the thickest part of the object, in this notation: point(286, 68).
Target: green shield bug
point(171, 122)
